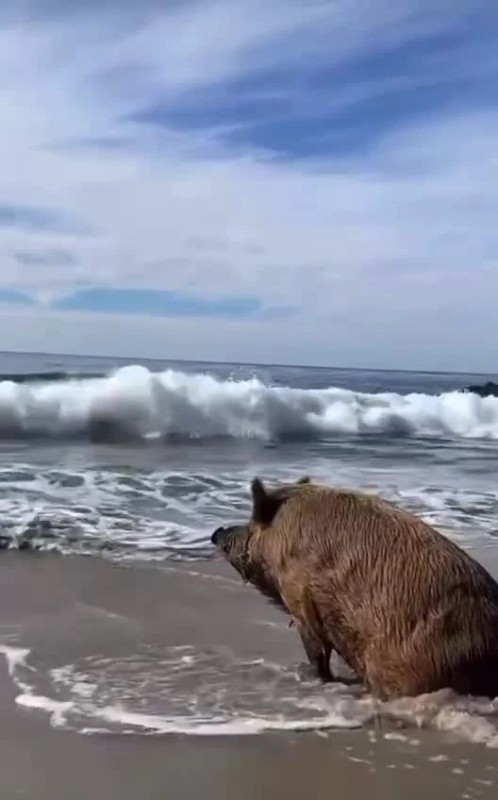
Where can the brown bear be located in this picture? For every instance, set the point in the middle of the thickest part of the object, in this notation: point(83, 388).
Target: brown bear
point(407, 609)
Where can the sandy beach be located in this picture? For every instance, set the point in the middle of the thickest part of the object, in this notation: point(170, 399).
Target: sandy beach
point(118, 620)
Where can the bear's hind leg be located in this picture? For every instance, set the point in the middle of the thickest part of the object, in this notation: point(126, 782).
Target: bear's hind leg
point(317, 652)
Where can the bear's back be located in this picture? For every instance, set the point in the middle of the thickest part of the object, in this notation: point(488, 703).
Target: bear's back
point(369, 547)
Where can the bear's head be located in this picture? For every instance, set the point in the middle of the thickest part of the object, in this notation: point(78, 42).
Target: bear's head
point(234, 541)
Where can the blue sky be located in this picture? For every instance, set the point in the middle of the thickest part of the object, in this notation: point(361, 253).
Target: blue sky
point(294, 182)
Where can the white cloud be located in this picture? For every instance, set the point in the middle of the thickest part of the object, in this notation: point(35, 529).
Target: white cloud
point(366, 244)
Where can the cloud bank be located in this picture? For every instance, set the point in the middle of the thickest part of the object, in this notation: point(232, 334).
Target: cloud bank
point(296, 182)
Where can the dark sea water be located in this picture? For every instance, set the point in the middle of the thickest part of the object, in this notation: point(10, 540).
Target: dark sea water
point(142, 460)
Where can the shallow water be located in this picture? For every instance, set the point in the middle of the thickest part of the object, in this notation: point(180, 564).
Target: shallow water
point(187, 650)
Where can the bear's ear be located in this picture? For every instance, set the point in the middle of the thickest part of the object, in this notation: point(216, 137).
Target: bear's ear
point(264, 505)
point(304, 479)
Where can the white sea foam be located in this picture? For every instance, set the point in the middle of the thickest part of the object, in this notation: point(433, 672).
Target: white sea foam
point(134, 402)
point(146, 515)
point(189, 692)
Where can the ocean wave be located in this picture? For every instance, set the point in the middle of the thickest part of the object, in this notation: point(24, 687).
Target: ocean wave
point(134, 403)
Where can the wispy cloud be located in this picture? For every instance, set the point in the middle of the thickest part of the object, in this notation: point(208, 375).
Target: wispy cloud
point(41, 258)
point(29, 218)
point(332, 158)
point(11, 297)
point(158, 303)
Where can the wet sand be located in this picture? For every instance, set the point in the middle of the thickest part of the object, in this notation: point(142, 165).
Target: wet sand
point(67, 609)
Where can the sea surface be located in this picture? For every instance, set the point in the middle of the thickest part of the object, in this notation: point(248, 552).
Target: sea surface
point(137, 463)
point(141, 461)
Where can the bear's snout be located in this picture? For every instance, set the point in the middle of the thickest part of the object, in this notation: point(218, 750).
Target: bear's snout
point(229, 537)
point(218, 535)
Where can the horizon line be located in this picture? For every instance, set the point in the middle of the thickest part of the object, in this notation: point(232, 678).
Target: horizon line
point(212, 362)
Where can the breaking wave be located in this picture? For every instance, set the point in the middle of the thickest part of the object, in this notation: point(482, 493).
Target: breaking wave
point(134, 403)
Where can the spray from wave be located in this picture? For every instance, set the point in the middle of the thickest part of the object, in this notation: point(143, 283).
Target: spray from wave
point(134, 403)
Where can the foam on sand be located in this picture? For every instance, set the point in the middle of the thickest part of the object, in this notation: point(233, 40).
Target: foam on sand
point(180, 690)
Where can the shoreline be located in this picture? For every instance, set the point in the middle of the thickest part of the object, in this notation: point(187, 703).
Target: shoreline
point(67, 609)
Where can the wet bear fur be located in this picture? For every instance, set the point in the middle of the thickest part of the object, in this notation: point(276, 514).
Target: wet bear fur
point(407, 609)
